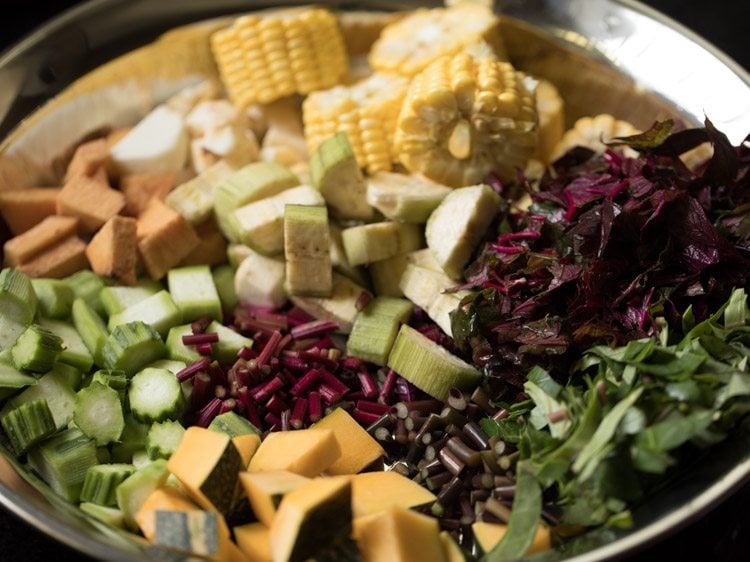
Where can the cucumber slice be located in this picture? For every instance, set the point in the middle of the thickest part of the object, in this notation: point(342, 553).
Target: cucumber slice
point(36, 349)
point(131, 346)
point(109, 515)
point(179, 351)
point(117, 298)
point(137, 487)
point(28, 424)
point(74, 351)
point(102, 481)
point(91, 328)
point(379, 241)
point(155, 395)
point(428, 365)
point(55, 388)
point(224, 282)
point(55, 298)
point(98, 413)
point(13, 379)
point(63, 460)
point(194, 292)
point(88, 286)
point(163, 439)
point(116, 380)
point(159, 311)
point(230, 343)
point(403, 197)
point(133, 439)
point(18, 301)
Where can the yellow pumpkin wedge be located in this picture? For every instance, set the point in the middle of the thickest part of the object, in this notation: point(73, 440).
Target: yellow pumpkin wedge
point(359, 449)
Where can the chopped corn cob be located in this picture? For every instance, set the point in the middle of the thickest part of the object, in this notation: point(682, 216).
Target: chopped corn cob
point(409, 45)
point(593, 132)
point(464, 118)
point(262, 58)
point(366, 112)
point(551, 109)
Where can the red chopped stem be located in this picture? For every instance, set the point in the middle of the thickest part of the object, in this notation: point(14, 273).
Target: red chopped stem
point(269, 348)
point(285, 420)
point(246, 353)
point(322, 343)
point(329, 394)
point(276, 405)
point(385, 392)
point(299, 410)
point(351, 363)
point(201, 390)
point(272, 420)
point(314, 328)
point(333, 382)
point(296, 316)
point(204, 349)
point(209, 412)
point(304, 384)
point(294, 362)
point(372, 407)
point(367, 384)
point(251, 412)
point(197, 339)
point(279, 320)
point(266, 390)
point(228, 405)
point(192, 369)
point(315, 406)
point(365, 418)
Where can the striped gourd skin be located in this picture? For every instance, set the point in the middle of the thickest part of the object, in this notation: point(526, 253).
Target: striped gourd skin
point(191, 532)
point(264, 58)
point(366, 111)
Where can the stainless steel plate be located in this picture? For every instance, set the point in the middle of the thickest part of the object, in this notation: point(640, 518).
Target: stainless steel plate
point(616, 56)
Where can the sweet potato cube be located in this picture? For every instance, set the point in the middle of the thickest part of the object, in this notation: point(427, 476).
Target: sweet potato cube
point(89, 160)
point(140, 188)
point(24, 247)
point(23, 208)
point(305, 451)
point(400, 535)
point(361, 449)
point(212, 248)
point(164, 238)
point(252, 539)
point(113, 251)
point(91, 201)
point(59, 261)
point(374, 492)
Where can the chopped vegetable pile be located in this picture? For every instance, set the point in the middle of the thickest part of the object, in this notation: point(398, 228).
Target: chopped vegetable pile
point(326, 306)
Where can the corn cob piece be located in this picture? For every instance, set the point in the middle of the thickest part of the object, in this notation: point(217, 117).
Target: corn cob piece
point(414, 42)
point(593, 132)
point(464, 118)
point(262, 58)
point(366, 111)
point(551, 109)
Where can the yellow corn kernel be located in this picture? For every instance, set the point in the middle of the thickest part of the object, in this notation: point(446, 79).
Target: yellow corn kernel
point(466, 117)
point(264, 57)
point(366, 111)
point(410, 44)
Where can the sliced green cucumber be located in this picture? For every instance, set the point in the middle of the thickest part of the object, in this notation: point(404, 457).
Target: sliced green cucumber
point(98, 413)
point(158, 311)
point(55, 298)
point(155, 395)
point(131, 346)
point(194, 292)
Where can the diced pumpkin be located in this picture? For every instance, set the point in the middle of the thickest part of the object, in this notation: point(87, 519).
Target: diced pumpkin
point(311, 518)
point(374, 492)
point(212, 247)
point(361, 449)
point(207, 464)
point(89, 160)
point(453, 552)
point(489, 534)
point(246, 446)
point(253, 541)
point(306, 451)
point(24, 208)
point(140, 188)
point(400, 535)
point(162, 498)
point(192, 533)
point(265, 490)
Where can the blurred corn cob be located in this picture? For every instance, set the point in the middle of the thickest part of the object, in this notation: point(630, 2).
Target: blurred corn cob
point(264, 57)
point(410, 44)
point(366, 111)
point(593, 132)
point(464, 118)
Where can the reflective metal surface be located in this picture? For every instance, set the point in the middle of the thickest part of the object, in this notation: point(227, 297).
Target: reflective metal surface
point(614, 56)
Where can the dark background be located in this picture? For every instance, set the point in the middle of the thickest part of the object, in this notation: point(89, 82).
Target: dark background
point(722, 535)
